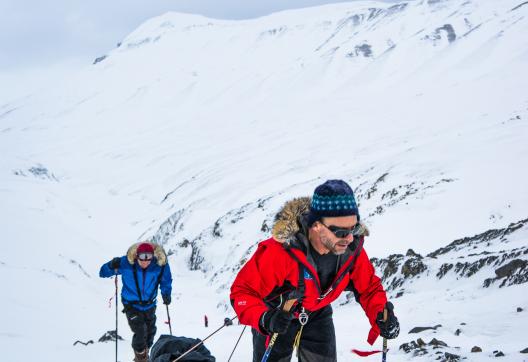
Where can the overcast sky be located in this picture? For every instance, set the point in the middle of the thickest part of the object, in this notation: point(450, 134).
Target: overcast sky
point(40, 37)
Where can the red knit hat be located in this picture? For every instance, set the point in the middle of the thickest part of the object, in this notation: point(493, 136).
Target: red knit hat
point(145, 248)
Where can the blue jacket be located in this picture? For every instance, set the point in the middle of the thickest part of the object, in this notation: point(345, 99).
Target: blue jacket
point(147, 282)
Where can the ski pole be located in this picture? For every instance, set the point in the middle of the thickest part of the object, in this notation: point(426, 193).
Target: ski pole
point(201, 342)
point(243, 330)
point(168, 316)
point(287, 306)
point(384, 354)
point(116, 296)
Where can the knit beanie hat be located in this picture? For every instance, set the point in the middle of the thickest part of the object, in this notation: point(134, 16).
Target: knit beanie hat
point(145, 248)
point(334, 198)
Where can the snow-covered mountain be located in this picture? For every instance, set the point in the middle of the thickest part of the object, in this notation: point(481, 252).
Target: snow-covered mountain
point(194, 132)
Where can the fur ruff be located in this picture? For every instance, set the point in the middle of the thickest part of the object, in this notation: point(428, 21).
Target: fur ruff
point(159, 253)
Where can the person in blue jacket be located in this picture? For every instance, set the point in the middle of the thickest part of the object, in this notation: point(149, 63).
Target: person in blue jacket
point(144, 268)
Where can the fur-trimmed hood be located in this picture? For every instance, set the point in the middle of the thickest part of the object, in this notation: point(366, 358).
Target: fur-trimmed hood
point(290, 219)
point(159, 253)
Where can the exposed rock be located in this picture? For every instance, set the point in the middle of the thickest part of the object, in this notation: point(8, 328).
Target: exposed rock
point(184, 243)
point(476, 349)
point(99, 59)
point(374, 187)
point(170, 227)
point(416, 348)
point(444, 268)
point(364, 50)
point(110, 336)
point(519, 309)
point(448, 28)
point(524, 350)
point(421, 329)
point(38, 171)
point(518, 6)
point(83, 343)
point(420, 342)
point(472, 257)
point(413, 267)
point(196, 258)
point(437, 343)
point(436, 36)
point(392, 265)
point(411, 253)
point(217, 229)
point(498, 353)
point(468, 269)
point(409, 346)
point(510, 268)
point(480, 238)
point(515, 272)
point(450, 357)
point(457, 332)
point(390, 194)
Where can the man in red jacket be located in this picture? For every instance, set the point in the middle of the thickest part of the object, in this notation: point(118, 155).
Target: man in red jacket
point(315, 254)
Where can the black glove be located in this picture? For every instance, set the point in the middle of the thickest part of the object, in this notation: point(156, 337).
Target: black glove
point(276, 321)
point(391, 327)
point(115, 263)
point(166, 298)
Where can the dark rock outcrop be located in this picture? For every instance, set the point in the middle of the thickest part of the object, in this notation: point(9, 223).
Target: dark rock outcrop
point(110, 336)
point(421, 329)
point(498, 354)
point(412, 267)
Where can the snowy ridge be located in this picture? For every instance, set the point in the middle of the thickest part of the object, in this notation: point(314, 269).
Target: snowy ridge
point(465, 258)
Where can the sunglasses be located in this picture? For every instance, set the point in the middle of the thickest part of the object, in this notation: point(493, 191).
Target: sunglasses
point(145, 256)
point(344, 232)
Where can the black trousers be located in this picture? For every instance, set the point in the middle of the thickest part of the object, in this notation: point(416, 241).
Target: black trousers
point(143, 325)
point(318, 343)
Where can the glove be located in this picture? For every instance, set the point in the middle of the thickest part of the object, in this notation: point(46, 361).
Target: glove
point(276, 321)
point(391, 327)
point(115, 263)
point(166, 298)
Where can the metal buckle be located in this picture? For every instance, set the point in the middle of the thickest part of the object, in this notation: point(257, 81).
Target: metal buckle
point(303, 317)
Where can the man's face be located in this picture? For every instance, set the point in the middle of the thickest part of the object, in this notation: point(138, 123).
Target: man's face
point(144, 259)
point(144, 263)
point(331, 242)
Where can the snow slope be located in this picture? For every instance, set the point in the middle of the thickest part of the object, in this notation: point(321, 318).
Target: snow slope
point(195, 131)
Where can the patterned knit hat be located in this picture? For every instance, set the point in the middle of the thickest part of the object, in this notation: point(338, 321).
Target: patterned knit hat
point(334, 198)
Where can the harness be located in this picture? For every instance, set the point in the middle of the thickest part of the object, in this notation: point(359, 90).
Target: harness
point(303, 315)
point(151, 299)
point(303, 269)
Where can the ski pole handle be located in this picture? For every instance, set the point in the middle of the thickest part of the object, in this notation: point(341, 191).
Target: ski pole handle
point(287, 306)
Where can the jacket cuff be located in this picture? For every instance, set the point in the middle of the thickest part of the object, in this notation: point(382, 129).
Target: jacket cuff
point(261, 324)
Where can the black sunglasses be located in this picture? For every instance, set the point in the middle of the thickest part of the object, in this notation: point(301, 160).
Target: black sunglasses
point(344, 232)
point(145, 256)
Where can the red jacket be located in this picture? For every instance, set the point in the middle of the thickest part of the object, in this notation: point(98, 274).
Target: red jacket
point(273, 272)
